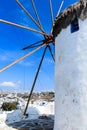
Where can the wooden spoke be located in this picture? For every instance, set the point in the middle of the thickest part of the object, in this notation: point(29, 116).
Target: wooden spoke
point(23, 57)
point(51, 52)
point(32, 45)
point(60, 8)
point(51, 12)
point(35, 79)
point(29, 15)
point(21, 26)
point(34, 7)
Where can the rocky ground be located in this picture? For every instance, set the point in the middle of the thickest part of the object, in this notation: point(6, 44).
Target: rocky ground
point(37, 124)
point(43, 123)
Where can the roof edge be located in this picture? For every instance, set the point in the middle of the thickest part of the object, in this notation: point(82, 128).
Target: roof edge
point(77, 10)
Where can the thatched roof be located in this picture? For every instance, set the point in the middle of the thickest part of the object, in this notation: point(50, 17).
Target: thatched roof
point(77, 10)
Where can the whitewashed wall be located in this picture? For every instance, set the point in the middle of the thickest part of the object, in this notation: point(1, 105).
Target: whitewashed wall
point(71, 79)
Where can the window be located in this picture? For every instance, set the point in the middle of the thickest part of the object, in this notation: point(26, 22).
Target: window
point(74, 25)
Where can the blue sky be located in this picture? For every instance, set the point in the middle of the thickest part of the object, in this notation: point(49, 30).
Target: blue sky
point(12, 39)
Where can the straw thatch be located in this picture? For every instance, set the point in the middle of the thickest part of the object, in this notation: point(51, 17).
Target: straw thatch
point(77, 10)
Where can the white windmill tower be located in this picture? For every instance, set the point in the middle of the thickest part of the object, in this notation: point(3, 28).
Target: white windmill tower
point(71, 68)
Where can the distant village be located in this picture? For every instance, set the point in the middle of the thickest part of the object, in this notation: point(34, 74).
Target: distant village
point(21, 98)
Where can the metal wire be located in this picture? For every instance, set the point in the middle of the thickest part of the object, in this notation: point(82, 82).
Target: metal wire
point(21, 26)
point(23, 57)
point(29, 15)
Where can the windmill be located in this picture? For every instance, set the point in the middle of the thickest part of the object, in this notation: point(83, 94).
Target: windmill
point(46, 42)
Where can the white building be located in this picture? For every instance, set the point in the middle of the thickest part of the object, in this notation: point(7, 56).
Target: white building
point(71, 68)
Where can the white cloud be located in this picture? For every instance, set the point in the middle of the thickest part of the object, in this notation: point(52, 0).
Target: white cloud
point(26, 63)
point(7, 84)
point(49, 61)
point(18, 84)
point(10, 84)
point(6, 55)
point(10, 56)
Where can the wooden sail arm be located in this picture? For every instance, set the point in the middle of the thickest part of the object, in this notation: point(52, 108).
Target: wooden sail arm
point(35, 79)
point(33, 45)
point(51, 12)
point(23, 57)
point(34, 7)
point(29, 15)
point(21, 26)
point(60, 8)
point(51, 52)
